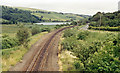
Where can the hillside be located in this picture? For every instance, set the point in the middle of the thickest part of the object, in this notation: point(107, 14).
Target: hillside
point(13, 15)
point(107, 19)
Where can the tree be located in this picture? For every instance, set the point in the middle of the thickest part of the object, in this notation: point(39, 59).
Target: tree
point(23, 35)
point(35, 30)
point(74, 23)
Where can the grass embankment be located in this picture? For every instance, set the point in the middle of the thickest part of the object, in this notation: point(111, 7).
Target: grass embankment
point(14, 55)
point(95, 51)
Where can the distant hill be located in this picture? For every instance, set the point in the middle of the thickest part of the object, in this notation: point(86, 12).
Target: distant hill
point(13, 15)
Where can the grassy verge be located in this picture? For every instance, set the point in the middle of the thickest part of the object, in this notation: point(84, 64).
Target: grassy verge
point(66, 60)
point(14, 55)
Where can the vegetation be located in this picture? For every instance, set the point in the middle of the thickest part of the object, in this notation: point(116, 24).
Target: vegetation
point(8, 42)
point(10, 30)
point(95, 51)
point(15, 35)
point(35, 30)
point(69, 33)
point(11, 15)
point(11, 56)
point(107, 19)
point(14, 16)
point(106, 28)
point(23, 34)
point(16, 41)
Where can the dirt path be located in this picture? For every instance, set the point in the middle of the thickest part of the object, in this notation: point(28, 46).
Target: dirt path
point(42, 56)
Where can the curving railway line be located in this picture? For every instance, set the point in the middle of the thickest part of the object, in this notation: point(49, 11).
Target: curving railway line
point(39, 60)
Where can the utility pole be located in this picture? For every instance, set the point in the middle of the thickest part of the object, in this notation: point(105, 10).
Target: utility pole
point(100, 21)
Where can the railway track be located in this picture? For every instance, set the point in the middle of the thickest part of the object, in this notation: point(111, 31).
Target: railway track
point(38, 61)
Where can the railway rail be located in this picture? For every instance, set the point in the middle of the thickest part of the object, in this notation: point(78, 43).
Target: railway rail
point(39, 59)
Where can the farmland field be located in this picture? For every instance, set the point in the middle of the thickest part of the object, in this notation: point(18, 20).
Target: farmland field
point(11, 30)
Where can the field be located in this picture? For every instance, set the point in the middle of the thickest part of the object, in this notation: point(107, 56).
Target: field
point(94, 51)
point(11, 30)
point(53, 15)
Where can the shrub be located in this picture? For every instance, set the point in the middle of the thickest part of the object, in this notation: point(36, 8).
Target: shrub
point(45, 29)
point(77, 65)
point(69, 43)
point(35, 30)
point(23, 35)
point(74, 23)
point(8, 42)
point(82, 35)
point(69, 33)
point(58, 26)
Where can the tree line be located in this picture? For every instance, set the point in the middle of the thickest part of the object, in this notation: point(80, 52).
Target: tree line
point(15, 15)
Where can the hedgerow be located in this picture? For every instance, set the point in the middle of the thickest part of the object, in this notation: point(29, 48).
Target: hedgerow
point(105, 28)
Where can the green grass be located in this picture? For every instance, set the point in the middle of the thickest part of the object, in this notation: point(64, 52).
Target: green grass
point(10, 30)
point(95, 36)
point(67, 60)
point(14, 55)
point(42, 26)
point(56, 16)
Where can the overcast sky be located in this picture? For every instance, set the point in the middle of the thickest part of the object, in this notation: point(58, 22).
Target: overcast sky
point(88, 7)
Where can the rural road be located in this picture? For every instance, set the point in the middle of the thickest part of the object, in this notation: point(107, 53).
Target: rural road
point(84, 27)
point(43, 55)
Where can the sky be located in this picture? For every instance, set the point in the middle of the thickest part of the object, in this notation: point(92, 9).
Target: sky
point(87, 7)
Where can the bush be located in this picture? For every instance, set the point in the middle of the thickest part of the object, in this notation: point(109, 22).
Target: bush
point(23, 35)
point(70, 43)
point(45, 29)
point(35, 30)
point(8, 42)
point(58, 26)
point(82, 35)
point(77, 65)
point(69, 33)
point(74, 23)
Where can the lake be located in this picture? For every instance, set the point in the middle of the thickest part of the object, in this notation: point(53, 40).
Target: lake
point(52, 23)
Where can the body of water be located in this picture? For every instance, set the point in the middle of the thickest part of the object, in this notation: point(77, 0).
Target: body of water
point(52, 23)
